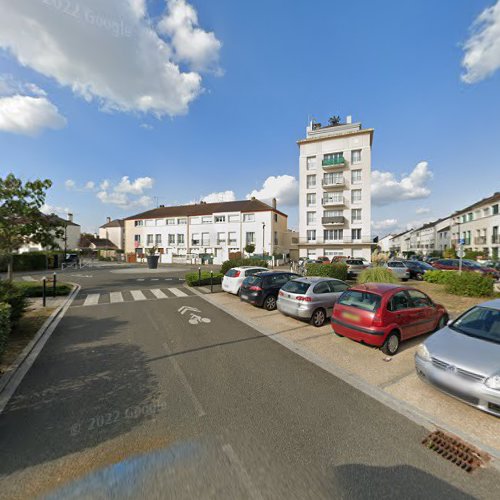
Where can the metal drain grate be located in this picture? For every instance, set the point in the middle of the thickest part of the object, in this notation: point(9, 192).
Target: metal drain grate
point(456, 451)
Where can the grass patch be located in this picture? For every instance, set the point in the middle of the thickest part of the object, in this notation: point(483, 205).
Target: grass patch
point(377, 275)
point(192, 279)
point(35, 288)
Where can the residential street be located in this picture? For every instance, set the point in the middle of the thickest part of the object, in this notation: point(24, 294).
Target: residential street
point(200, 405)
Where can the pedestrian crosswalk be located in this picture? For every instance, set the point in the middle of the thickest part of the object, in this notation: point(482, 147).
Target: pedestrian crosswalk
point(144, 294)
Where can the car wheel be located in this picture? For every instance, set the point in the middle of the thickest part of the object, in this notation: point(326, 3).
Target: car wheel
point(391, 344)
point(404, 279)
point(419, 277)
point(318, 318)
point(270, 303)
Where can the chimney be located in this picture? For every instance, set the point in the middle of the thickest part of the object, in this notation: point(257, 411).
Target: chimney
point(253, 198)
point(108, 219)
point(274, 203)
point(70, 217)
point(348, 119)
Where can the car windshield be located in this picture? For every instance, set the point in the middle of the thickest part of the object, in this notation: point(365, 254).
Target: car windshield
point(296, 287)
point(480, 322)
point(361, 300)
point(233, 273)
point(253, 280)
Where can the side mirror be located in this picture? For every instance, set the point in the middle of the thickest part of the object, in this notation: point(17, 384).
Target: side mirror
point(450, 321)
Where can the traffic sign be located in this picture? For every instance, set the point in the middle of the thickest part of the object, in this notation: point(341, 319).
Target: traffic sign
point(460, 253)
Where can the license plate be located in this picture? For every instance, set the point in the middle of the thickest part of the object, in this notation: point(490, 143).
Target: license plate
point(352, 317)
point(244, 296)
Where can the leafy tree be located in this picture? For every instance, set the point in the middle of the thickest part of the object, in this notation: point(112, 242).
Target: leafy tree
point(450, 253)
point(21, 220)
point(250, 248)
point(334, 120)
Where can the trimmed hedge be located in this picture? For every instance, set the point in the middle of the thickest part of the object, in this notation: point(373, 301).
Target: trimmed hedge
point(35, 288)
point(470, 284)
point(15, 297)
point(5, 325)
point(336, 270)
point(192, 279)
point(377, 275)
point(229, 264)
point(441, 277)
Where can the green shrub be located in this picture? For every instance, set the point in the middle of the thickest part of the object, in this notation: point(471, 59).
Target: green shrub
point(336, 270)
point(377, 275)
point(15, 297)
point(192, 279)
point(229, 264)
point(35, 288)
point(5, 325)
point(441, 277)
point(469, 284)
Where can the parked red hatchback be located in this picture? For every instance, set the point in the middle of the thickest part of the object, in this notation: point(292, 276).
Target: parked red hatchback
point(384, 315)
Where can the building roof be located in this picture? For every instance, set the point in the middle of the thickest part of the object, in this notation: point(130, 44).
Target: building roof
point(489, 199)
point(394, 236)
point(87, 241)
point(447, 228)
point(430, 224)
point(114, 223)
point(60, 221)
point(252, 205)
point(333, 135)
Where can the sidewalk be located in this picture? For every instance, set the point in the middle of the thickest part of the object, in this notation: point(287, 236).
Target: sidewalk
point(394, 376)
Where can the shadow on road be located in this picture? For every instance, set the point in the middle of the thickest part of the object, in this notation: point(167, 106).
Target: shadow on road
point(84, 389)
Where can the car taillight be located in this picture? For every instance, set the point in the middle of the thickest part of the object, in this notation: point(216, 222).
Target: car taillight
point(255, 288)
point(281, 294)
point(236, 274)
point(377, 319)
point(304, 299)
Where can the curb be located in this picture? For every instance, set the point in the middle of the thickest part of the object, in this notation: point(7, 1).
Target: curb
point(19, 368)
point(411, 412)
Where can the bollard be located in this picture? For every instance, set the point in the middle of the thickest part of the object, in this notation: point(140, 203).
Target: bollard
point(44, 290)
point(199, 274)
point(54, 281)
point(211, 282)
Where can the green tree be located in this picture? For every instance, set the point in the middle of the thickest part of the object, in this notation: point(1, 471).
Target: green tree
point(21, 219)
point(250, 248)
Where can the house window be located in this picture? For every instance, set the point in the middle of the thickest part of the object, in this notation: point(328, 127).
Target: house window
point(333, 234)
point(180, 239)
point(311, 200)
point(205, 239)
point(356, 176)
point(311, 235)
point(275, 237)
point(469, 216)
point(356, 195)
point(356, 234)
point(250, 238)
point(160, 222)
point(356, 156)
point(332, 213)
point(195, 239)
point(311, 181)
point(333, 198)
point(275, 217)
point(333, 156)
point(234, 218)
point(356, 215)
point(181, 221)
point(221, 238)
point(311, 218)
point(220, 218)
point(157, 239)
point(311, 163)
point(170, 222)
point(137, 238)
point(495, 209)
point(232, 239)
point(138, 223)
point(333, 178)
point(206, 220)
point(248, 217)
point(149, 239)
point(171, 239)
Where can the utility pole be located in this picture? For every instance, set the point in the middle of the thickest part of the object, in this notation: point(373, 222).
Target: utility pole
point(263, 238)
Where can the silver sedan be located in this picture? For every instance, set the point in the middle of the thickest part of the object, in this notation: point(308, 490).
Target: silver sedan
point(463, 359)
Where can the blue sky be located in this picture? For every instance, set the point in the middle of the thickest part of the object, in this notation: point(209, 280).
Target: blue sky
point(255, 72)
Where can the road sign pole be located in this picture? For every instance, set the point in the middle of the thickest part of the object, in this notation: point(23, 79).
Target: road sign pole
point(211, 282)
point(54, 282)
point(44, 290)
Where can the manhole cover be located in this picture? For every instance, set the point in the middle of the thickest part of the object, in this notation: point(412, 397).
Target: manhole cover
point(456, 451)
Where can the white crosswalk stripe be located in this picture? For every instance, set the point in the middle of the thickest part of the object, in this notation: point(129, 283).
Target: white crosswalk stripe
point(158, 293)
point(178, 293)
point(115, 297)
point(138, 295)
point(92, 299)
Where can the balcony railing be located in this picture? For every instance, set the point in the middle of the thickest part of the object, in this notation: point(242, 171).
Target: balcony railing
point(345, 240)
point(334, 221)
point(338, 161)
point(330, 202)
point(333, 183)
point(480, 240)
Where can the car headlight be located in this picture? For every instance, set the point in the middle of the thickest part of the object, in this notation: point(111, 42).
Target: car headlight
point(493, 382)
point(423, 353)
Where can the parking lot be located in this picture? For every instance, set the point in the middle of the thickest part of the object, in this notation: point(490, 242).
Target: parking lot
point(394, 376)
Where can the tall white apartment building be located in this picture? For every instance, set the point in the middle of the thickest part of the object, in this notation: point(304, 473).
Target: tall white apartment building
point(210, 229)
point(335, 200)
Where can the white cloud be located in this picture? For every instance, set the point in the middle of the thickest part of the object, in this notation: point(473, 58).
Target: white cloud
point(104, 184)
point(482, 50)
point(135, 187)
point(422, 211)
point(285, 188)
point(53, 209)
point(10, 86)
point(20, 114)
point(121, 200)
point(146, 126)
point(70, 184)
point(192, 45)
point(219, 197)
point(110, 52)
point(126, 193)
point(386, 224)
point(387, 189)
point(90, 185)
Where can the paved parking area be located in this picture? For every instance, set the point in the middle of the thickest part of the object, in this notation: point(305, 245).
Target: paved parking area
point(396, 376)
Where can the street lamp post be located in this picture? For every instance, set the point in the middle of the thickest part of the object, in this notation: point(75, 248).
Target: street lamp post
point(263, 238)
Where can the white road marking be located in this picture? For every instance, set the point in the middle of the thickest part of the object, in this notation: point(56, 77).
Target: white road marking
point(158, 293)
point(184, 309)
point(168, 279)
point(155, 279)
point(138, 295)
point(115, 297)
point(28, 278)
point(178, 370)
point(178, 293)
point(140, 279)
point(253, 492)
point(92, 299)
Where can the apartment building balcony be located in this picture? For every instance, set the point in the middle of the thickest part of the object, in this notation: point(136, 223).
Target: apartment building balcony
point(338, 220)
point(333, 163)
point(480, 240)
point(334, 202)
point(347, 240)
point(333, 183)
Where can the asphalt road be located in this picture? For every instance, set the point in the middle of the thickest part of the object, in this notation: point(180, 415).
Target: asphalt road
point(141, 398)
